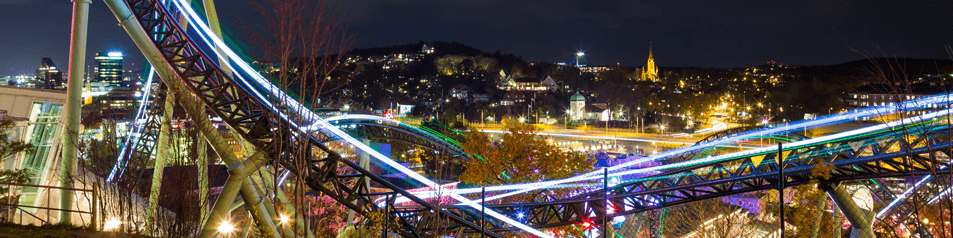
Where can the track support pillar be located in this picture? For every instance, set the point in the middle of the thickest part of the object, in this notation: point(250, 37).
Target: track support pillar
point(74, 104)
point(162, 148)
point(860, 220)
point(196, 111)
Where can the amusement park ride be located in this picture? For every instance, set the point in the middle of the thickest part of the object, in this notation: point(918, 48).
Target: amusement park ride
point(203, 76)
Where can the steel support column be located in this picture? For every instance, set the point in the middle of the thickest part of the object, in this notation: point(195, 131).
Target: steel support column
point(195, 109)
point(283, 199)
point(201, 162)
point(837, 221)
point(74, 104)
point(816, 225)
point(860, 223)
point(161, 156)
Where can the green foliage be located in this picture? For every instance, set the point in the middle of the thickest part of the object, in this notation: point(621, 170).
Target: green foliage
point(14, 176)
point(11, 147)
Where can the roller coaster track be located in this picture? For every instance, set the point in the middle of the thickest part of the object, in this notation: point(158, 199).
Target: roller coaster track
point(265, 123)
point(877, 155)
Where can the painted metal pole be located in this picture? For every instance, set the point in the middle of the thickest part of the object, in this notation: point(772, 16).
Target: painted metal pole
point(781, 185)
point(387, 205)
point(195, 109)
point(605, 201)
point(162, 153)
point(483, 212)
point(74, 104)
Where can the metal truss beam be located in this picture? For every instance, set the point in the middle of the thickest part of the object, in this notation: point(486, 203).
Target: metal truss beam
point(888, 154)
point(270, 130)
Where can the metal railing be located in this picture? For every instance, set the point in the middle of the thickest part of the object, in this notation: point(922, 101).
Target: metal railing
point(8, 208)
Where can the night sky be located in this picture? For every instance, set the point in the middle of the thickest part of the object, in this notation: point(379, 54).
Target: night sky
point(683, 33)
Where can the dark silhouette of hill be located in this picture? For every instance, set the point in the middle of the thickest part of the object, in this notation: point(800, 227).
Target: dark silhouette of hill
point(442, 48)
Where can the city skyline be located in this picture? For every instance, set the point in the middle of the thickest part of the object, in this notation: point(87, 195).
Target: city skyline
point(683, 34)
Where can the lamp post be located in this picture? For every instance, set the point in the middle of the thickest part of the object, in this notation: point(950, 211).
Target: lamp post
point(226, 228)
point(578, 56)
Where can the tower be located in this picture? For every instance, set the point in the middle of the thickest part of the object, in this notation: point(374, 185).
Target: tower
point(48, 76)
point(109, 68)
point(577, 105)
point(650, 72)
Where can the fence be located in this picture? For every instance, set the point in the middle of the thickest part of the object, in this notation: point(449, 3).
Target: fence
point(10, 208)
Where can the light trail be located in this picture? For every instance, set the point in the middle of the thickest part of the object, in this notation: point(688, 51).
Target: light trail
point(629, 139)
point(903, 196)
point(323, 125)
point(522, 188)
point(526, 187)
point(137, 129)
point(460, 191)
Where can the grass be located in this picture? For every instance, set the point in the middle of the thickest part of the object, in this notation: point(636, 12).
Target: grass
point(15, 230)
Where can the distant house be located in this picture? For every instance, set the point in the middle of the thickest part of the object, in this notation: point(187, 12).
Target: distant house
point(459, 91)
point(405, 105)
point(530, 84)
point(579, 110)
point(427, 49)
point(513, 98)
point(875, 95)
point(598, 112)
point(481, 97)
point(506, 82)
point(430, 101)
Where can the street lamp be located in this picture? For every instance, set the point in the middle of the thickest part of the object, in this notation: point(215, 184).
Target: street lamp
point(579, 55)
point(284, 219)
point(112, 224)
point(226, 228)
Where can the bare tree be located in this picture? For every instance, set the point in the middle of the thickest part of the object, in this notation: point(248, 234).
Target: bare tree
point(927, 211)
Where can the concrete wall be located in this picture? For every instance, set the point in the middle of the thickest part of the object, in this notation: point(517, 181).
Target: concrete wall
point(18, 101)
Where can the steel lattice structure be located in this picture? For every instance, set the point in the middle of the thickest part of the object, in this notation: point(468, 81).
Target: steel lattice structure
point(254, 121)
point(886, 154)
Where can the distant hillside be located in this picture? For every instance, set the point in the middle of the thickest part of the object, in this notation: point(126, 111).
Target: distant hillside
point(442, 48)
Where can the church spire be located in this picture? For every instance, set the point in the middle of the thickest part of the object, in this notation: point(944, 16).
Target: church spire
point(650, 52)
point(650, 71)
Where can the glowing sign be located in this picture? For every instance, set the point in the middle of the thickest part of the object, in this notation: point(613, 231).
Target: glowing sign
point(115, 54)
point(389, 115)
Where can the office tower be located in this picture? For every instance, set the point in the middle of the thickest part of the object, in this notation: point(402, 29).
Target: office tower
point(48, 76)
point(109, 69)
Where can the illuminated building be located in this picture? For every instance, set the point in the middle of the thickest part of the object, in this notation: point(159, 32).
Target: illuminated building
point(37, 117)
point(109, 68)
point(577, 105)
point(48, 76)
point(650, 71)
point(427, 49)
